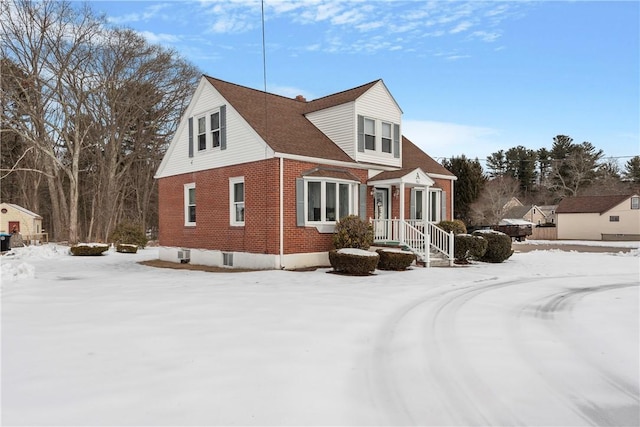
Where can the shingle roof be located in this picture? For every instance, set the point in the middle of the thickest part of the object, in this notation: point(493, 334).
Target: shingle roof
point(280, 121)
point(590, 204)
point(413, 157)
point(517, 212)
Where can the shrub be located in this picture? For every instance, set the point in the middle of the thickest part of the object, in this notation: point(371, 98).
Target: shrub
point(129, 233)
point(498, 245)
point(394, 259)
point(84, 249)
point(353, 261)
point(353, 232)
point(126, 248)
point(456, 226)
point(468, 247)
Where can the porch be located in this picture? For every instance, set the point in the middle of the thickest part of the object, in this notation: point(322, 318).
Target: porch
point(423, 238)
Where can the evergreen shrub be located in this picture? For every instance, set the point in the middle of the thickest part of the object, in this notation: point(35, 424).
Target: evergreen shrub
point(393, 259)
point(468, 247)
point(88, 249)
point(128, 232)
point(456, 226)
point(353, 232)
point(498, 245)
point(355, 262)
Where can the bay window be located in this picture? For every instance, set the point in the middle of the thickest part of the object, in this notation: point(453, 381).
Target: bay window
point(328, 201)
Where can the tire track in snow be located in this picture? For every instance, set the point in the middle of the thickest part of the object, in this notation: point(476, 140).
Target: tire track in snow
point(433, 383)
point(552, 310)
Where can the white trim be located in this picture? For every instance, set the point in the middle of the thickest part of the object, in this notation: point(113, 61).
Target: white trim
point(281, 213)
point(187, 187)
point(436, 175)
point(232, 202)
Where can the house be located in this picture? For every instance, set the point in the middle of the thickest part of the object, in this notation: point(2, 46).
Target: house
point(257, 180)
point(14, 218)
point(615, 217)
point(529, 213)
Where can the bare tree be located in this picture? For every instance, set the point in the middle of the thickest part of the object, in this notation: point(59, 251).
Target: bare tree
point(493, 201)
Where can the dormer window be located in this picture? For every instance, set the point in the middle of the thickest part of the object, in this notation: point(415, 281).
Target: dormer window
point(369, 134)
point(386, 137)
point(215, 129)
point(202, 133)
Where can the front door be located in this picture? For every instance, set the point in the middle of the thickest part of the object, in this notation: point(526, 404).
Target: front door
point(381, 214)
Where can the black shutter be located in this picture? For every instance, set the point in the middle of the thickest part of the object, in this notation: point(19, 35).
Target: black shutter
point(190, 136)
point(223, 127)
point(360, 133)
point(363, 202)
point(396, 141)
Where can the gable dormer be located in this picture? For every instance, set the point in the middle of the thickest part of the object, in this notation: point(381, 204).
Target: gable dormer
point(366, 125)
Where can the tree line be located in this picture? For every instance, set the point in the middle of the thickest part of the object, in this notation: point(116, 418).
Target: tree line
point(542, 177)
point(88, 111)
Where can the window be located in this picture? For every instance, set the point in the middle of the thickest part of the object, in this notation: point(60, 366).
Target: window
point(236, 196)
point(328, 201)
point(369, 134)
point(215, 130)
point(614, 218)
point(434, 206)
point(202, 133)
point(635, 203)
point(418, 205)
point(190, 204)
point(386, 137)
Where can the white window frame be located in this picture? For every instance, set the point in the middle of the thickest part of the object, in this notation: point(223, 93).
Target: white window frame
point(435, 215)
point(635, 202)
point(352, 188)
point(233, 203)
point(217, 130)
point(375, 138)
point(383, 138)
point(187, 188)
point(203, 133)
point(422, 204)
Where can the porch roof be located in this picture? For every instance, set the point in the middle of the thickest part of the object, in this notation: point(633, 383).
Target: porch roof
point(327, 172)
point(410, 177)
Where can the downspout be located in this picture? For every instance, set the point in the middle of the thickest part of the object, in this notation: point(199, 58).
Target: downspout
point(281, 213)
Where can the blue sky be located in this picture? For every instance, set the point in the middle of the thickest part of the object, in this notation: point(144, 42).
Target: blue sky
point(471, 77)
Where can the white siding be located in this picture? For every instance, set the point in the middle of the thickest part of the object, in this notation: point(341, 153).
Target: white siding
point(339, 124)
point(591, 226)
point(377, 103)
point(243, 143)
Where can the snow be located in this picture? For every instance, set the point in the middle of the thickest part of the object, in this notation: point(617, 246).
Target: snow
point(545, 338)
point(355, 251)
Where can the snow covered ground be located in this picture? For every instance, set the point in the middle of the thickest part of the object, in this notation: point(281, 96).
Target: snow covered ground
point(546, 338)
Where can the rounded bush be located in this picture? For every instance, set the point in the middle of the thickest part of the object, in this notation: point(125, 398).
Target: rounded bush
point(394, 259)
point(498, 245)
point(89, 249)
point(456, 226)
point(357, 262)
point(468, 247)
point(129, 233)
point(126, 248)
point(353, 232)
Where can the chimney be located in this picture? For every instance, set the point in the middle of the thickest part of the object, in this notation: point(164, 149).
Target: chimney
point(301, 98)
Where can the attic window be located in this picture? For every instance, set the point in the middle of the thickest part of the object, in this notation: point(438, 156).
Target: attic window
point(4, 210)
point(369, 134)
point(635, 203)
point(386, 137)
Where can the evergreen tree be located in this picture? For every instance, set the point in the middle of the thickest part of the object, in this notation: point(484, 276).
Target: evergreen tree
point(469, 185)
point(521, 165)
point(497, 164)
point(632, 169)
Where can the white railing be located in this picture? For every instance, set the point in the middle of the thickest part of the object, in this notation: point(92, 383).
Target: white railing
point(419, 236)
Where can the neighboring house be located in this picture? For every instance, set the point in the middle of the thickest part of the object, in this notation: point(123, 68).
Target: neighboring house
point(599, 218)
point(257, 180)
point(531, 214)
point(14, 218)
point(549, 212)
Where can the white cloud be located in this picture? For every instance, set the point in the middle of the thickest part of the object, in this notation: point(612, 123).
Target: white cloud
point(288, 91)
point(462, 26)
point(443, 139)
point(160, 38)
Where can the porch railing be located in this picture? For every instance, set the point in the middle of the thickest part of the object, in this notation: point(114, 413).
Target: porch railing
point(419, 236)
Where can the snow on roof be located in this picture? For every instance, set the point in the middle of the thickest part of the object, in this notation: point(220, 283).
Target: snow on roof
point(515, 221)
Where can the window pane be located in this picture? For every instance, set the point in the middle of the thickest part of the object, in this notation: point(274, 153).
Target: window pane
point(370, 142)
point(238, 192)
point(343, 201)
point(330, 214)
point(418, 204)
point(386, 145)
point(215, 136)
point(192, 196)
point(192, 214)
point(635, 203)
point(369, 126)
point(240, 212)
point(215, 121)
point(386, 130)
point(434, 205)
point(313, 201)
point(202, 125)
point(202, 141)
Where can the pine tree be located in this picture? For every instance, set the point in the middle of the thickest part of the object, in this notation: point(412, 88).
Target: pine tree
point(469, 185)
